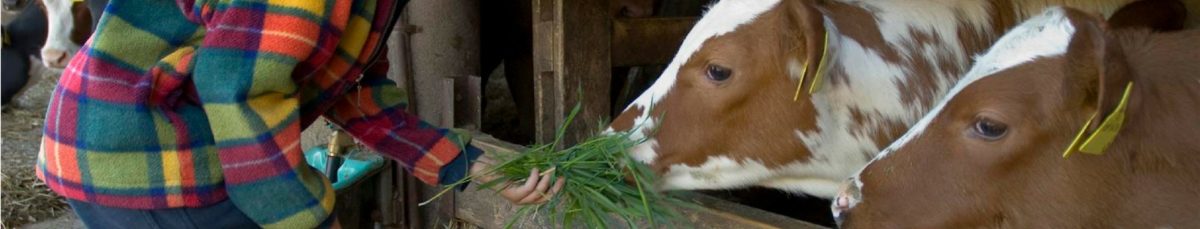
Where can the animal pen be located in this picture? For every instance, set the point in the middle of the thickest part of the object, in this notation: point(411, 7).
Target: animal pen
point(577, 45)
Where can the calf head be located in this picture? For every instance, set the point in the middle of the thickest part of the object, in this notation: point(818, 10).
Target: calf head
point(70, 25)
point(992, 152)
point(722, 114)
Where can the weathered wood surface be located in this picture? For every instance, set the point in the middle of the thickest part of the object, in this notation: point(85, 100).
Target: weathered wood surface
point(571, 65)
point(442, 45)
point(646, 41)
point(468, 96)
point(485, 209)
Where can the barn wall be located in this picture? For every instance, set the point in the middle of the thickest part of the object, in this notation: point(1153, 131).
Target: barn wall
point(1193, 7)
point(444, 44)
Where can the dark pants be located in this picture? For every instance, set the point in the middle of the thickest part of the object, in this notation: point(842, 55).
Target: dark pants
point(220, 215)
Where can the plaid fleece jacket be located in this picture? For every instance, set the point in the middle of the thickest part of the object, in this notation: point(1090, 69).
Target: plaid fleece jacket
point(189, 103)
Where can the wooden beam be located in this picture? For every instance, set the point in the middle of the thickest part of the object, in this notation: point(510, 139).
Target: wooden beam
point(645, 41)
point(571, 66)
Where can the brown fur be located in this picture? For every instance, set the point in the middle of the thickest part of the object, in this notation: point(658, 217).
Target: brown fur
point(82, 21)
point(1159, 15)
point(1148, 178)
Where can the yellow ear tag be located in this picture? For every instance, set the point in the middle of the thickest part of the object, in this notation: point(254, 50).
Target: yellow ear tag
point(816, 83)
point(803, 71)
point(1075, 143)
point(1109, 128)
point(76, 0)
point(1106, 133)
point(816, 77)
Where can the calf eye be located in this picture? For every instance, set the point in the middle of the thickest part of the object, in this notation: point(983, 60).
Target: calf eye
point(718, 73)
point(990, 130)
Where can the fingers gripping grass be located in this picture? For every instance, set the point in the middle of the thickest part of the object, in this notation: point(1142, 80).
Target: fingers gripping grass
point(604, 184)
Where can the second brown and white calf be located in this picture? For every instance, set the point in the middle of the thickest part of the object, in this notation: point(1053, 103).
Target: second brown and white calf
point(993, 153)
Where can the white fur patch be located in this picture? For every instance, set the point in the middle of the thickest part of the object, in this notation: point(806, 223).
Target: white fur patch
point(939, 18)
point(717, 172)
point(60, 21)
point(873, 85)
point(1044, 35)
point(644, 152)
point(795, 68)
point(722, 172)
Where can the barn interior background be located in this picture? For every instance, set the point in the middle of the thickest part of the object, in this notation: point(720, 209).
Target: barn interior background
point(439, 51)
point(511, 69)
point(508, 69)
point(588, 52)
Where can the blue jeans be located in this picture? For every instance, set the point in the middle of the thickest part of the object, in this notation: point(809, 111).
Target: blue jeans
point(220, 215)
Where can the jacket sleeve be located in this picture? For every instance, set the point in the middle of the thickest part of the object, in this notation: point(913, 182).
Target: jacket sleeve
point(243, 75)
point(374, 113)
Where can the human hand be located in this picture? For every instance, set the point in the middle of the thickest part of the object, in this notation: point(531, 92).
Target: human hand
point(532, 191)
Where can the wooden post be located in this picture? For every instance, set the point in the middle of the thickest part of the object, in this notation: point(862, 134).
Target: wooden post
point(443, 44)
point(572, 66)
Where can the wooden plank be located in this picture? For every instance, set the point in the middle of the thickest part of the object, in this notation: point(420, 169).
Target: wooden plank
point(646, 41)
point(547, 106)
point(568, 48)
point(488, 210)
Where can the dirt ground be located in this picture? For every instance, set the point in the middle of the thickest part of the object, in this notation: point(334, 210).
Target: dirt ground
point(26, 199)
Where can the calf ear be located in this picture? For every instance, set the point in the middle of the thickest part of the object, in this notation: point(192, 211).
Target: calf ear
point(806, 18)
point(1096, 69)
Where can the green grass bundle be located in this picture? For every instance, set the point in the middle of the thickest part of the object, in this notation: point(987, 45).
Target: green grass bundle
point(603, 183)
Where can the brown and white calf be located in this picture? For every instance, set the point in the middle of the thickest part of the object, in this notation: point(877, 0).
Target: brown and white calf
point(722, 114)
point(70, 24)
point(992, 154)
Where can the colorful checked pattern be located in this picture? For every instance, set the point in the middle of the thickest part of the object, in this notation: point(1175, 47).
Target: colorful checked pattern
point(188, 103)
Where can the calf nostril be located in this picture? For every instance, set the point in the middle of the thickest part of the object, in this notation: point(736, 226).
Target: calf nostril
point(843, 203)
point(847, 197)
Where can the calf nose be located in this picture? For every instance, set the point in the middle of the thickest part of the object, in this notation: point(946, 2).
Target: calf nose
point(54, 58)
point(847, 198)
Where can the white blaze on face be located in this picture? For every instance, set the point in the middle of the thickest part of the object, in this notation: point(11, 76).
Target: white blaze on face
point(1044, 35)
point(723, 17)
point(60, 21)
